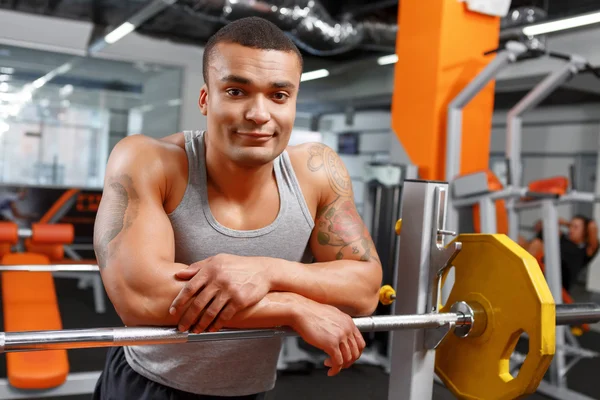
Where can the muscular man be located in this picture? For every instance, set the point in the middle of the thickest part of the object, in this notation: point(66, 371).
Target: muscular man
point(218, 229)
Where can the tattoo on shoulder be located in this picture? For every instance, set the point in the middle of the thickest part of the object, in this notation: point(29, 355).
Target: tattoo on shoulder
point(339, 225)
point(322, 157)
point(120, 208)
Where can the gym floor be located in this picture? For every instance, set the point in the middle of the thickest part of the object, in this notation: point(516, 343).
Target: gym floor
point(361, 382)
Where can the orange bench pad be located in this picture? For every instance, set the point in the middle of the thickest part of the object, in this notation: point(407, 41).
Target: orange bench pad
point(30, 304)
point(9, 233)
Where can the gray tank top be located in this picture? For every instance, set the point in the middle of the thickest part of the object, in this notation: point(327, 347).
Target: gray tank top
point(231, 367)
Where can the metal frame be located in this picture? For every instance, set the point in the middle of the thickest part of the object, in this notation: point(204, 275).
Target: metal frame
point(423, 257)
point(514, 123)
point(455, 112)
point(566, 343)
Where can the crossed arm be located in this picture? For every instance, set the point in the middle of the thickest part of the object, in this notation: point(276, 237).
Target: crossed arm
point(134, 245)
point(347, 273)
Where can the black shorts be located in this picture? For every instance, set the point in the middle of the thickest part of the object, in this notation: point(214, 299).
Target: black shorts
point(119, 381)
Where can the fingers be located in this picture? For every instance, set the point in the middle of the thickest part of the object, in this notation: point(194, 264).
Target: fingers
point(191, 269)
point(355, 349)
point(210, 314)
point(336, 361)
point(348, 348)
point(228, 312)
point(192, 313)
point(185, 295)
point(186, 273)
point(360, 341)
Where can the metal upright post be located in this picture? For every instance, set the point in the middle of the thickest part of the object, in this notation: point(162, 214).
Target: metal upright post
point(514, 130)
point(554, 279)
point(455, 110)
point(420, 258)
point(487, 215)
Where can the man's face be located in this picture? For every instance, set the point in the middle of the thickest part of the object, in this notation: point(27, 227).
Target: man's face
point(577, 230)
point(250, 102)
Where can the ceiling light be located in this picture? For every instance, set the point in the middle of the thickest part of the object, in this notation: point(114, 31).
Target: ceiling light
point(562, 24)
point(63, 69)
point(317, 74)
point(385, 60)
point(3, 87)
point(116, 35)
point(7, 70)
point(66, 90)
point(38, 83)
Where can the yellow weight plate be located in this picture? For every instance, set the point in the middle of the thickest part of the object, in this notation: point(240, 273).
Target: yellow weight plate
point(495, 272)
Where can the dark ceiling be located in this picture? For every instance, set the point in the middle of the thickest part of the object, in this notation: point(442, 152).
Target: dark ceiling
point(193, 21)
point(369, 25)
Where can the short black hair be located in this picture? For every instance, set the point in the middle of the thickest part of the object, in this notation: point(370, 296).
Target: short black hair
point(253, 32)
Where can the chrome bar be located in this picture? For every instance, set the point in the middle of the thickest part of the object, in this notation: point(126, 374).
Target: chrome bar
point(50, 268)
point(107, 337)
point(123, 336)
point(24, 233)
point(577, 313)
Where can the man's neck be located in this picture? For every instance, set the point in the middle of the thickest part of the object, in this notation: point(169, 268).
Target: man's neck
point(235, 182)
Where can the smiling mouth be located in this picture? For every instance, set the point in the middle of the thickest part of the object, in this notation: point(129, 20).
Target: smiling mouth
point(258, 135)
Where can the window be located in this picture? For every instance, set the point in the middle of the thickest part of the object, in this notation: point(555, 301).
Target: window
point(60, 116)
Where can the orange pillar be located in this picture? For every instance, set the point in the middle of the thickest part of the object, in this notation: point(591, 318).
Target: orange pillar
point(440, 49)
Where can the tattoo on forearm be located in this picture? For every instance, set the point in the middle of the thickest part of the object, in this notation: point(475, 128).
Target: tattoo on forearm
point(322, 156)
point(340, 225)
point(117, 214)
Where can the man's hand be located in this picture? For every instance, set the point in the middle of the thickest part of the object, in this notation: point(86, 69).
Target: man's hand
point(228, 283)
point(332, 331)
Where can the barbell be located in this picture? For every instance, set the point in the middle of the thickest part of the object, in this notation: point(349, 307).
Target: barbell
point(499, 294)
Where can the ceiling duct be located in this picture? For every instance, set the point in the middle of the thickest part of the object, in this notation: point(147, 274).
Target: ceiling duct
point(307, 22)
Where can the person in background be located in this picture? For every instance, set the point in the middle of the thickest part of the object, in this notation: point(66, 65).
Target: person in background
point(577, 246)
point(9, 209)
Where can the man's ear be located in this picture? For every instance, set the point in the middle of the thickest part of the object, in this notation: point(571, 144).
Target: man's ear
point(203, 100)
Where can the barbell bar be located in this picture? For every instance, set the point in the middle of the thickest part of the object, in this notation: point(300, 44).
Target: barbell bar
point(50, 268)
point(467, 320)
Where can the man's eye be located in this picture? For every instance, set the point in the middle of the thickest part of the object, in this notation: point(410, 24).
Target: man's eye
point(234, 92)
point(280, 96)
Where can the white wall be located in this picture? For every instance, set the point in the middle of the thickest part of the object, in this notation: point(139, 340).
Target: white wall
point(375, 144)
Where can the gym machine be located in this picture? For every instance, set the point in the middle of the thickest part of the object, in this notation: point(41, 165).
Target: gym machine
point(511, 53)
point(467, 341)
point(473, 188)
point(382, 204)
point(574, 65)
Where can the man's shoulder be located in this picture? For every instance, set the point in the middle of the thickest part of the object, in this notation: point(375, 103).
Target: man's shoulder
point(140, 148)
point(306, 152)
point(320, 165)
point(144, 153)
